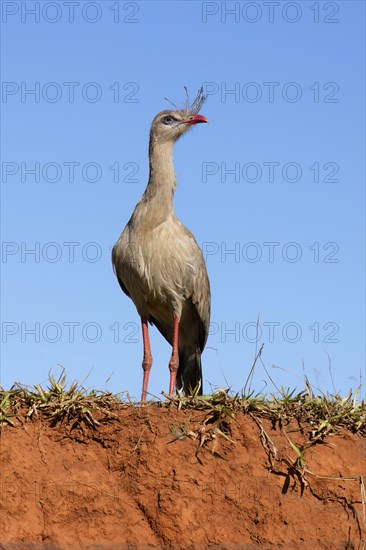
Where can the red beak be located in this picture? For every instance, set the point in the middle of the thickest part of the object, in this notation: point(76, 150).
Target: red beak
point(195, 119)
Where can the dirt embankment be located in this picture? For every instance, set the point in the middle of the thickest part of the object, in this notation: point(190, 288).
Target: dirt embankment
point(137, 482)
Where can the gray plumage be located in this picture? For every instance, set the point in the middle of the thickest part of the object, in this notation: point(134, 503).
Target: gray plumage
point(157, 260)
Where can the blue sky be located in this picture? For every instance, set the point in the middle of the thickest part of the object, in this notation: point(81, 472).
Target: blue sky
point(272, 187)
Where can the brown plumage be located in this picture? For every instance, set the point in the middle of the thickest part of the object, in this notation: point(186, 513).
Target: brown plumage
point(159, 264)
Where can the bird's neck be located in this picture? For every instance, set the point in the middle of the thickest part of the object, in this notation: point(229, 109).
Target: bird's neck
point(161, 186)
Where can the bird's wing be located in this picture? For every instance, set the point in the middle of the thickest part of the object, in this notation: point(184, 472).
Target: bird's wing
point(198, 289)
point(201, 299)
point(114, 262)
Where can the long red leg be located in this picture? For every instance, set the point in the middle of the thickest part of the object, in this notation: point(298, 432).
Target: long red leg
point(174, 360)
point(147, 360)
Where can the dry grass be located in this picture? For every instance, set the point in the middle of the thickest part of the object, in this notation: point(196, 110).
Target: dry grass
point(76, 406)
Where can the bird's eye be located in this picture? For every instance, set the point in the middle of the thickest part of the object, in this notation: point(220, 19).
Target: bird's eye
point(167, 119)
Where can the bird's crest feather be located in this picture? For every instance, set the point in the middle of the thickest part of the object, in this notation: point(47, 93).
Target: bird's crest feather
point(189, 108)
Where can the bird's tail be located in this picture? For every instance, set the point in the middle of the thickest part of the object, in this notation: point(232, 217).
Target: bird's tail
point(189, 375)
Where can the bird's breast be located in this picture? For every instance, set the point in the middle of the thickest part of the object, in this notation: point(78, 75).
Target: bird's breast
point(157, 265)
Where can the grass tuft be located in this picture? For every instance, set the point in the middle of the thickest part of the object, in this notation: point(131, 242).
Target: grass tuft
point(75, 406)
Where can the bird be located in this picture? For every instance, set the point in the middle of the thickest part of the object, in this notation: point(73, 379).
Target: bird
point(159, 264)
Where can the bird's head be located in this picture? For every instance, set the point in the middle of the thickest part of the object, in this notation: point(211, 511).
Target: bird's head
point(169, 125)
